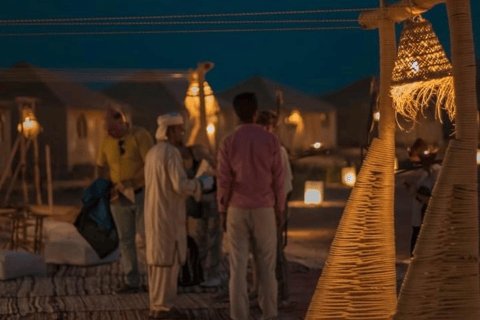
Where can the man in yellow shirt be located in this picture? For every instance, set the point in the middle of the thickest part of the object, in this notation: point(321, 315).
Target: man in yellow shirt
point(121, 159)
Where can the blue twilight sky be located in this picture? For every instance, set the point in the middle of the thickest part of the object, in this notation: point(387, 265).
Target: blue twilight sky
point(314, 62)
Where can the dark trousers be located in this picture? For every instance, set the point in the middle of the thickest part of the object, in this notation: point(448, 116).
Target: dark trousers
point(413, 241)
point(281, 268)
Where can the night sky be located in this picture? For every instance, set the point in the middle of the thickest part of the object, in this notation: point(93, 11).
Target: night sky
point(315, 62)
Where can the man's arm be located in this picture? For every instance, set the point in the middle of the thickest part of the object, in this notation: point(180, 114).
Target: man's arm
point(145, 142)
point(101, 169)
point(102, 172)
point(201, 153)
point(224, 178)
point(278, 177)
point(180, 182)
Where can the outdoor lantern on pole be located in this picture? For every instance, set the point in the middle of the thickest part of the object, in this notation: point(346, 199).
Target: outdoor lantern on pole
point(194, 106)
point(314, 191)
point(29, 126)
point(349, 176)
point(422, 72)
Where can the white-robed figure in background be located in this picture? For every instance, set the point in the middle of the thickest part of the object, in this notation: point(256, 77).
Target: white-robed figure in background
point(167, 188)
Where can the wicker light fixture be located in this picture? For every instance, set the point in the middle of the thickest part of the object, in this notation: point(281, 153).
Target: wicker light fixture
point(422, 72)
point(192, 103)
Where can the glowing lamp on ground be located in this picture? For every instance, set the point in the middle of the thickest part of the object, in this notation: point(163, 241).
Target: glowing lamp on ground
point(314, 192)
point(478, 157)
point(349, 176)
point(29, 126)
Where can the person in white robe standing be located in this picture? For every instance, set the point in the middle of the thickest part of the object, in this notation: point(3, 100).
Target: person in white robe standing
point(167, 187)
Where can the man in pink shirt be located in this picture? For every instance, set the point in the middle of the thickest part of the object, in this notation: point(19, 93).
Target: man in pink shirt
point(251, 198)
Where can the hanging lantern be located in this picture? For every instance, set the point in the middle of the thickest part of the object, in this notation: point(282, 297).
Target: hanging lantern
point(422, 73)
point(192, 100)
point(192, 104)
point(313, 192)
point(29, 127)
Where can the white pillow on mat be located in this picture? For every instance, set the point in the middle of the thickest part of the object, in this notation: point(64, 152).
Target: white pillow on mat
point(65, 245)
point(15, 264)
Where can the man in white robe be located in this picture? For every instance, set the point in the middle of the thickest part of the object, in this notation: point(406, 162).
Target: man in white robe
point(167, 188)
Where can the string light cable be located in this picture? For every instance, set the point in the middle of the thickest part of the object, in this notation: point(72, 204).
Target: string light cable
point(147, 23)
point(73, 33)
point(339, 24)
point(183, 16)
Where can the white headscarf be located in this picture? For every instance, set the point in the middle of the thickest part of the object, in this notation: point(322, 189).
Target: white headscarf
point(169, 119)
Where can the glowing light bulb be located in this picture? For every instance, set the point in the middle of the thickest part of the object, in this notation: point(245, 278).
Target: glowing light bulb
point(211, 128)
point(415, 66)
point(317, 145)
point(376, 116)
point(349, 176)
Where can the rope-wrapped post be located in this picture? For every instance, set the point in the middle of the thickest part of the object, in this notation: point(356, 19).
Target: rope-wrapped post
point(442, 281)
point(358, 280)
point(387, 126)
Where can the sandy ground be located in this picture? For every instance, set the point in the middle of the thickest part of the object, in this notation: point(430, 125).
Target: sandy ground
point(310, 232)
point(312, 228)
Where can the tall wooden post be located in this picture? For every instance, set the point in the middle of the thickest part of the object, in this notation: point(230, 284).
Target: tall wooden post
point(386, 133)
point(49, 177)
point(38, 192)
point(358, 280)
point(23, 160)
point(202, 137)
point(8, 165)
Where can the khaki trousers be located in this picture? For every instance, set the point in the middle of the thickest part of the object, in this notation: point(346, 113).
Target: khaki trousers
point(256, 227)
point(162, 286)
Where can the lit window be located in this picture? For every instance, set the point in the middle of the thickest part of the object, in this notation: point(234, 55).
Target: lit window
point(82, 130)
point(2, 128)
point(324, 120)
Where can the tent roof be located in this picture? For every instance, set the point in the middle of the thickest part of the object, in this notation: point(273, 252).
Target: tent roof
point(158, 94)
point(351, 96)
point(265, 90)
point(71, 94)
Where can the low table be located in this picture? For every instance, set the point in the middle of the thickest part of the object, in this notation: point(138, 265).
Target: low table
point(22, 218)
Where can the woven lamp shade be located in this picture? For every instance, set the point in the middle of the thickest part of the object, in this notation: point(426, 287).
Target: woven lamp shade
point(422, 72)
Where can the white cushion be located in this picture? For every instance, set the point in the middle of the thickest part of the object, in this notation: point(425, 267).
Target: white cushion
point(15, 264)
point(65, 245)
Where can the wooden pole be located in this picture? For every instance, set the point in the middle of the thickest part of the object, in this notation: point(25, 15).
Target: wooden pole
point(202, 137)
point(49, 177)
point(23, 162)
point(37, 172)
point(14, 177)
point(396, 12)
point(8, 165)
point(358, 280)
point(442, 281)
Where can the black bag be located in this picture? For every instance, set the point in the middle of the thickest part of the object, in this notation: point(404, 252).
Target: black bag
point(194, 208)
point(95, 222)
point(191, 273)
